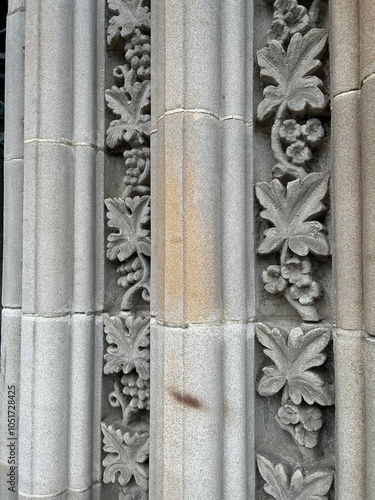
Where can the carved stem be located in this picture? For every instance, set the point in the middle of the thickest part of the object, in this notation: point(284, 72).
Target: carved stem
point(289, 169)
point(307, 313)
point(284, 254)
point(277, 148)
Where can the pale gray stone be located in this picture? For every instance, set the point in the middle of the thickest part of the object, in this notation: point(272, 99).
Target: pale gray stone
point(49, 70)
point(44, 406)
point(48, 233)
point(351, 414)
point(14, 85)
point(12, 233)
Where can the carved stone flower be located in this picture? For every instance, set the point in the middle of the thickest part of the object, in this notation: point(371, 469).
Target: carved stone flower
point(313, 419)
point(306, 438)
point(273, 281)
point(295, 269)
point(298, 153)
point(279, 31)
point(296, 16)
point(289, 414)
point(290, 131)
point(313, 132)
point(305, 291)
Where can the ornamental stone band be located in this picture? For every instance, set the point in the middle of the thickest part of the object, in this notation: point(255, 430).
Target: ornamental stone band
point(188, 279)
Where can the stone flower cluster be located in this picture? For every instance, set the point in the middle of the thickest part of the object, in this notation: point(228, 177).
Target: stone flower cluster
point(301, 140)
point(295, 274)
point(289, 18)
point(302, 422)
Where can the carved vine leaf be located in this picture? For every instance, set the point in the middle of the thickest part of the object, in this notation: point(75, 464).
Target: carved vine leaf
point(129, 337)
point(131, 14)
point(290, 210)
point(126, 456)
point(128, 217)
point(301, 486)
point(290, 75)
point(131, 104)
point(294, 355)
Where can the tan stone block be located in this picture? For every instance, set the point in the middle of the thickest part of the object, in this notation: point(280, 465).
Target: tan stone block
point(344, 45)
point(367, 35)
point(368, 179)
point(347, 213)
point(189, 263)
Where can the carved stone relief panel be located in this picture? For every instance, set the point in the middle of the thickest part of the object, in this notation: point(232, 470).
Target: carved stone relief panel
point(127, 326)
point(295, 451)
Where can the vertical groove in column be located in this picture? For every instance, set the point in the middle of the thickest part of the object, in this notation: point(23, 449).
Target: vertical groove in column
point(347, 212)
point(351, 415)
point(12, 237)
point(84, 419)
point(369, 348)
point(368, 176)
point(236, 200)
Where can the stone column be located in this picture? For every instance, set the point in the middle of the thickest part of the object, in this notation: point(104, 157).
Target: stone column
point(367, 73)
point(12, 267)
point(347, 250)
point(202, 188)
point(61, 333)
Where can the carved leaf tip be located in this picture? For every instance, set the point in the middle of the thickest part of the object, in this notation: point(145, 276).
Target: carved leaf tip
point(301, 485)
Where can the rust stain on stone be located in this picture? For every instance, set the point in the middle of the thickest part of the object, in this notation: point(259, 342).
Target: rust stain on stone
point(186, 400)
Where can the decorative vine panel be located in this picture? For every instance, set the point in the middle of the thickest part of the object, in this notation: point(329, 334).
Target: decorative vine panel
point(297, 461)
point(127, 357)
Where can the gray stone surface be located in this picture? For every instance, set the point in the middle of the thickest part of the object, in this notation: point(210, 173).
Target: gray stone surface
point(368, 186)
point(351, 415)
point(347, 218)
point(221, 258)
point(345, 45)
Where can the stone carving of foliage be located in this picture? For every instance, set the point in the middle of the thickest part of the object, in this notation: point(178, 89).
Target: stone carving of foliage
point(131, 246)
point(291, 211)
point(293, 204)
point(126, 457)
point(132, 105)
point(131, 14)
point(295, 355)
point(312, 485)
point(129, 339)
point(127, 359)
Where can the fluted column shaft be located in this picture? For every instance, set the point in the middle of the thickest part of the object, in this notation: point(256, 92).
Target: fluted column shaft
point(202, 310)
point(60, 286)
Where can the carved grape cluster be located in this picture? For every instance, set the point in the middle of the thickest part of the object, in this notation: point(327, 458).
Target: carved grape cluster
point(138, 55)
point(301, 140)
point(294, 99)
point(126, 439)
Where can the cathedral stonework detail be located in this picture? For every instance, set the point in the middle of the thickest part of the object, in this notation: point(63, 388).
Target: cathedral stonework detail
point(127, 360)
point(295, 109)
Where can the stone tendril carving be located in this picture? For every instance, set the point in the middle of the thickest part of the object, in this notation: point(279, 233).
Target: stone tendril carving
point(126, 433)
point(291, 71)
point(293, 94)
point(301, 486)
point(291, 210)
point(295, 355)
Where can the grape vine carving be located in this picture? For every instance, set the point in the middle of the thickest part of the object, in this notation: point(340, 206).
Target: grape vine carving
point(127, 359)
point(293, 205)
